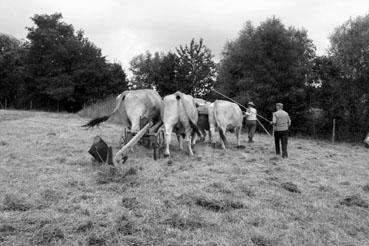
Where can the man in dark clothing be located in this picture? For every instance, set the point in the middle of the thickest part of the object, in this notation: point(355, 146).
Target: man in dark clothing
point(281, 122)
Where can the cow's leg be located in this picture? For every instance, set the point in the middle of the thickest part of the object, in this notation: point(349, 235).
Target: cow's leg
point(238, 133)
point(188, 141)
point(211, 135)
point(168, 136)
point(204, 135)
point(179, 139)
point(223, 139)
point(194, 137)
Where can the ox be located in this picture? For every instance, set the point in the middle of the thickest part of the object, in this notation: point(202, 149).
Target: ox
point(203, 121)
point(366, 141)
point(225, 115)
point(132, 106)
point(179, 113)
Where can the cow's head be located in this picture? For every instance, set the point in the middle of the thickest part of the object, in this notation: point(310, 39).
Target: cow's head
point(366, 141)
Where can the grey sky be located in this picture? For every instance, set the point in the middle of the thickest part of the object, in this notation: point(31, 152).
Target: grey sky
point(123, 29)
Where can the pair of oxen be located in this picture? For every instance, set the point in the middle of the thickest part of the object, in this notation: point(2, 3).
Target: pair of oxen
point(179, 113)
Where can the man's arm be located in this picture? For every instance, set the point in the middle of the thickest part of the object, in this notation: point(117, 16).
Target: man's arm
point(274, 121)
point(247, 112)
point(288, 120)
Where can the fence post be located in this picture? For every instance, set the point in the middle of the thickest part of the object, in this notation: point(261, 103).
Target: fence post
point(334, 131)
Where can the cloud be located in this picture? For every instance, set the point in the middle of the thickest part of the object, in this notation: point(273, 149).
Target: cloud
point(125, 28)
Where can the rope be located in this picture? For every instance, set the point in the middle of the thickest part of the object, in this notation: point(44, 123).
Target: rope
point(246, 109)
point(239, 104)
point(264, 128)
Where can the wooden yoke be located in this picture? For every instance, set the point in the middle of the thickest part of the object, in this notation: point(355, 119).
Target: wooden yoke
point(123, 152)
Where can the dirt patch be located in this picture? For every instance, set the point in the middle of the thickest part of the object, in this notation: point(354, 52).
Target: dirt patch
point(51, 196)
point(3, 143)
point(47, 235)
point(108, 174)
point(6, 229)
point(130, 202)
point(291, 187)
point(215, 205)
point(95, 240)
point(366, 188)
point(261, 241)
point(124, 224)
point(247, 191)
point(354, 200)
point(84, 226)
point(185, 222)
point(15, 203)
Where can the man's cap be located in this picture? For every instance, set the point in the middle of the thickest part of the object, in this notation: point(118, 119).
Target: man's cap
point(279, 104)
point(251, 104)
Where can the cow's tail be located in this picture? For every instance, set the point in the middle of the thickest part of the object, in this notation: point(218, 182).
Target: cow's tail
point(221, 132)
point(99, 120)
point(193, 124)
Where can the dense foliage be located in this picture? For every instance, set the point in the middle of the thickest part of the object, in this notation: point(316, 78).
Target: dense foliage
point(344, 78)
point(57, 68)
point(190, 69)
point(268, 64)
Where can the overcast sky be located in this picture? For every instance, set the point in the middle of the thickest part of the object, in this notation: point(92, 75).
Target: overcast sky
point(125, 28)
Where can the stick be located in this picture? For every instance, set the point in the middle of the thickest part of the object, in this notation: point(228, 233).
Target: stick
point(334, 131)
point(263, 128)
point(238, 104)
point(122, 153)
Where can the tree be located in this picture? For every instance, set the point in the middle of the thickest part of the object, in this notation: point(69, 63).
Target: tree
point(196, 68)
point(268, 64)
point(12, 75)
point(65, 68)
point(145, 69)
point(349, 51)
point(190, 70)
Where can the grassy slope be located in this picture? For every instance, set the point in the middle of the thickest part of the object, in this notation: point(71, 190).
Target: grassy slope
point(51, 192)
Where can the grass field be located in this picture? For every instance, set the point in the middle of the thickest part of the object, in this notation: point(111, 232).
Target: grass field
point(52, 193)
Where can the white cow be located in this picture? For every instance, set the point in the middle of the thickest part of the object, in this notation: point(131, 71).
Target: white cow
point(225, 115)
point(132, 106)
point(179, 114)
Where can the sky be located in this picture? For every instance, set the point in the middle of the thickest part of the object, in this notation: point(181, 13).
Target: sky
point(126, 28)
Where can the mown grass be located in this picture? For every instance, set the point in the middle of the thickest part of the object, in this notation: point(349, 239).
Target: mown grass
point(52, 193)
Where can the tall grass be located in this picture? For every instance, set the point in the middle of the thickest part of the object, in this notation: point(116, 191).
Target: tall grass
point(101, 108)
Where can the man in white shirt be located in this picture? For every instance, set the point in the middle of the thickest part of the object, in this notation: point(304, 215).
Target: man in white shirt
point(251, 114)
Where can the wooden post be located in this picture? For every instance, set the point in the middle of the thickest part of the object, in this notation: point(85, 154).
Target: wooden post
point(334, 131)
point(122, 153)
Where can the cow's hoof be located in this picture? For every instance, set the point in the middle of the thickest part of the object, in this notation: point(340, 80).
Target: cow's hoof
point(166, 155)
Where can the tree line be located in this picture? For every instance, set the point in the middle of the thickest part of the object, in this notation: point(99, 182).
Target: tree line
point(267, 63)
point(56, 68)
